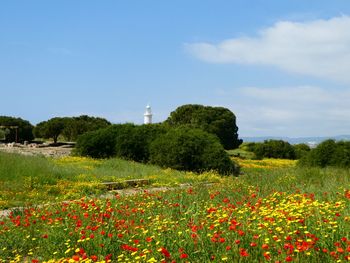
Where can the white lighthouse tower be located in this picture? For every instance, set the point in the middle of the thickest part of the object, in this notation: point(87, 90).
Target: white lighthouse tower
point(148, 115)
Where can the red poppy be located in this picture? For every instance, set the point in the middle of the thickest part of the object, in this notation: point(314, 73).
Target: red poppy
point(165, 252)
point(243, 252)
point(289, 259)
point(265, 246)
point(340, 250)
point(267, 256)
point(76, 258)
point(183, 255)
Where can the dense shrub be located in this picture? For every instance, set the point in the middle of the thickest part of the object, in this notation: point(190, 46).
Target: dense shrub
point(274, 149)
point(97, 144)
point(301, 150)
point(191, 150)
point(133, 141)
point(24, 132)
point(216, 120)
point(328, 153)
point(127, 141)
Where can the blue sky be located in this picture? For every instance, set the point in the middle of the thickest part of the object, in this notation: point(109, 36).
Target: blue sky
point(281, 66)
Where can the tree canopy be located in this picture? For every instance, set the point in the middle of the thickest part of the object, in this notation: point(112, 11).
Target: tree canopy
point(191, 150)
point(76, 126)
point(215, 120)
point(24, 131)
point(51, 128)
point(69, 127)
point(273, 149)
point(328, 153)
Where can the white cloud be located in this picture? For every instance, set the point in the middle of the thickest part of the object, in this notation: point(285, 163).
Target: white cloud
point(318, 48)
point(290, 111)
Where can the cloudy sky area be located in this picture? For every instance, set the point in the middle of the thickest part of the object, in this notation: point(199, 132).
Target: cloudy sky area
point(281, 66)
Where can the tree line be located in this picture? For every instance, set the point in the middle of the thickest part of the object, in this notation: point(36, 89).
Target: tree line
point(193, 138)
point(67, 127)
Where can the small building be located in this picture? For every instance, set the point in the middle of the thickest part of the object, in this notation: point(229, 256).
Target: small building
point(147, 117)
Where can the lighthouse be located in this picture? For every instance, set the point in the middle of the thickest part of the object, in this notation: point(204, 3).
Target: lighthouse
point(148, 115)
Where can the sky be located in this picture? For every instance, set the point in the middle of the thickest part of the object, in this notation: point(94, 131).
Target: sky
point(282, 67)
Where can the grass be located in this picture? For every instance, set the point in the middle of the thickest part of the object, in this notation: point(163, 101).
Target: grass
point(278, 213)
point(29, 180)
point(240, 153)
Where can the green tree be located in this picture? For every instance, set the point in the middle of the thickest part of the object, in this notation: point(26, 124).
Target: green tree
point(76, 126)
point(24, 131)
point(328, 153)
point(216, 120)
point(50, 129)
point(274, 149)
point(191, 150)
point(301, 150)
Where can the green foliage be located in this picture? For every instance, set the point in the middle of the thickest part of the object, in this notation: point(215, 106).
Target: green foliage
point(191, 150)
point(240, 153)
point(25, 129)
point(50, 129)
point(133, 141)
point(76, 126)
point(274, 149)
point(69, 127)
point(98, 144)
point(127, 141)
point(216, 120)
point(301, 150)
point(328, 153)
point(247, 146)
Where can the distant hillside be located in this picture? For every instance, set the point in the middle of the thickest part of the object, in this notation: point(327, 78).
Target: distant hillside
point(308, 140)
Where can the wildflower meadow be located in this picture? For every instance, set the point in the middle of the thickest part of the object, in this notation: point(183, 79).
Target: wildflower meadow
point(284, 214)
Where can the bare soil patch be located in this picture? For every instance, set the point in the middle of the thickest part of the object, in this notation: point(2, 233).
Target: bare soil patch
point(37, 149)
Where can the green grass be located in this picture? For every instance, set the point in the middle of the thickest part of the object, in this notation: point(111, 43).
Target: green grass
point(241, 154)
point(29, 180)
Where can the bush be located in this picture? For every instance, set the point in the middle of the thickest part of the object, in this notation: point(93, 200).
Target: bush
point(132, 142)
point(24, 132)
point(274, 149)
point(216, 120)
point(191, 150)
point(328, 153)
point(97, 144)
point(127, 141)
point(301, 150)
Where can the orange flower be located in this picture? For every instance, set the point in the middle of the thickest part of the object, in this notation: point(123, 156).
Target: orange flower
point(265, 246)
